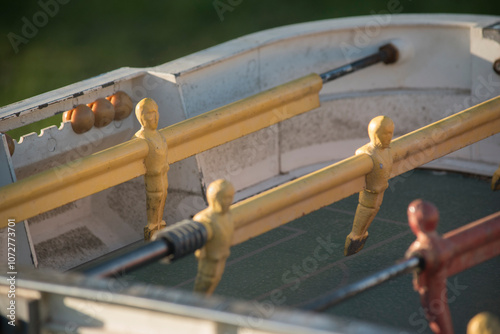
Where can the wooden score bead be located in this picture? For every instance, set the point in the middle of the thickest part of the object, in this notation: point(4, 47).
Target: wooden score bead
point(82, 118)
point(104, 112)
point(122, 103)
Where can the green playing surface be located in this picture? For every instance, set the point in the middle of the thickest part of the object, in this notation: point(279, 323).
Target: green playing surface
point(303, 259)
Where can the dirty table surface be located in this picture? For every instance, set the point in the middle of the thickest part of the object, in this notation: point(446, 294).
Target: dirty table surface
point(297, 262)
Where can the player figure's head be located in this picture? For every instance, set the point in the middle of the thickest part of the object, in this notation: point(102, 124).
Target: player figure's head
point(220, 195)
point(484, 323)
point(146, 112)
point(380, 130)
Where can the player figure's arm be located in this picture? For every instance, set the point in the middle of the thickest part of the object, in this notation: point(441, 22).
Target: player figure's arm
point(495, 180)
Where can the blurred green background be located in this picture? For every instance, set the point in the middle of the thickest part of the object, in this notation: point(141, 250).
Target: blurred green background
point(83, 39)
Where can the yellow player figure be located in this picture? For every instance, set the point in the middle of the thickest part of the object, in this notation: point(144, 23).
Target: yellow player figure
point(380, 130)
point(495, 180)
point(218, 221)
point(156, 163)
point(484, 323)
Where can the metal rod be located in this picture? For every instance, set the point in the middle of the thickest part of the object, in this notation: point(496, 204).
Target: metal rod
point(386, 53)
point(324, 302)
point(174, 241)
point(136, 259)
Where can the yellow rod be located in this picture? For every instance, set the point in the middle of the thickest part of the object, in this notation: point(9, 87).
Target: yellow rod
point(61, 176)
point(74, 180)
point(229, 122)
point(445, 136)
point(277, 206)
point(296, 198)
